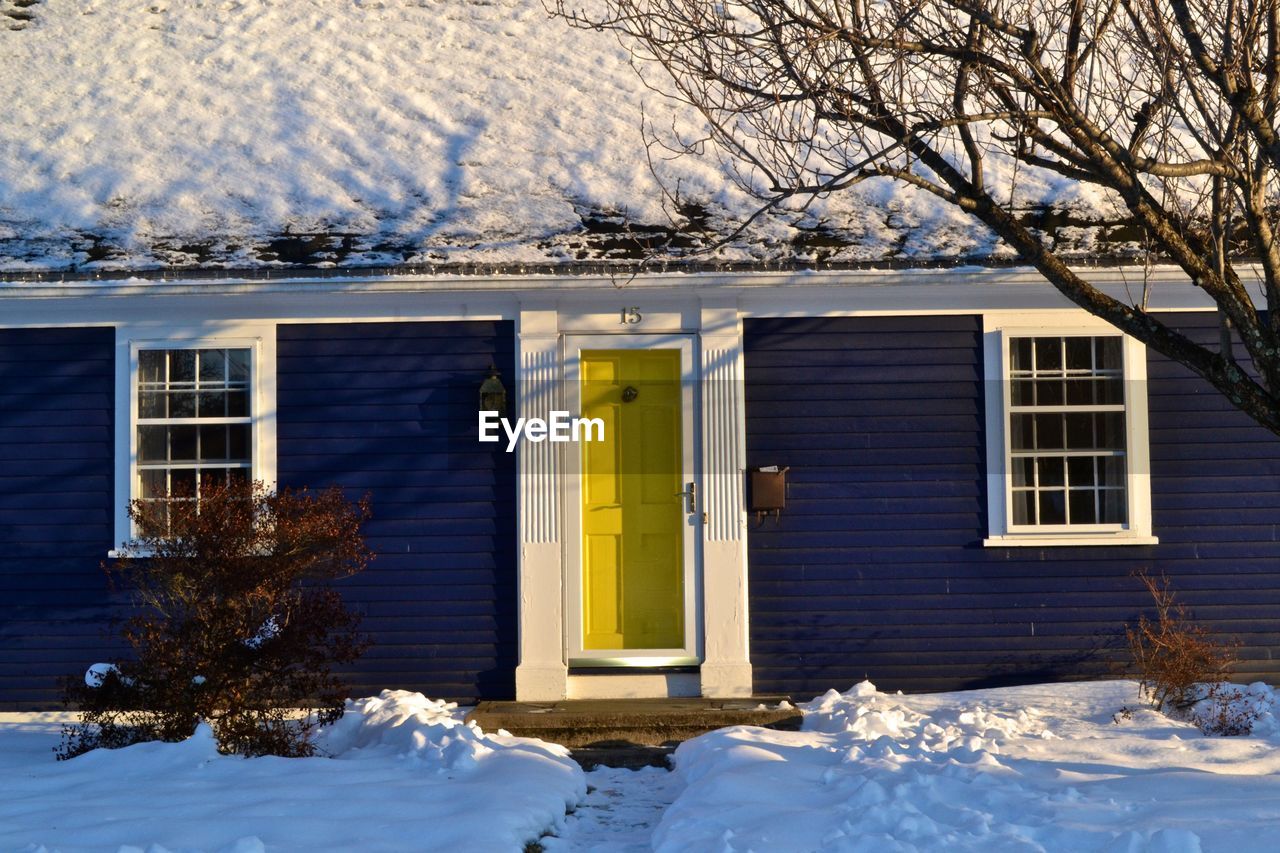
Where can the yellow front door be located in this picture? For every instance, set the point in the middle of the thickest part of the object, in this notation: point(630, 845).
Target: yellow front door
point(632, 512)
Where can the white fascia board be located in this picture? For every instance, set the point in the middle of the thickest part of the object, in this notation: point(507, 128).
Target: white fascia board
point(797, 294)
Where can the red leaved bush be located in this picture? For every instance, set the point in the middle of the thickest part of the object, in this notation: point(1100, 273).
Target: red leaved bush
point(236, 623)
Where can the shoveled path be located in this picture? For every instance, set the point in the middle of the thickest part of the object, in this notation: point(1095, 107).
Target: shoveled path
point(621, 811)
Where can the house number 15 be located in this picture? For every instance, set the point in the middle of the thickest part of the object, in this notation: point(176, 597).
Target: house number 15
point(631, 315)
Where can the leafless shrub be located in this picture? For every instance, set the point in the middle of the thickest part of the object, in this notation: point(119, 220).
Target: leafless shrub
point(1183, 669)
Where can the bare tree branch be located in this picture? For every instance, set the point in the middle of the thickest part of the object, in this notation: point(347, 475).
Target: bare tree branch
point(1167, 107)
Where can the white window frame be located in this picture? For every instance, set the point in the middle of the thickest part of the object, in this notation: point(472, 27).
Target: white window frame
point(258, 338)
point(998, 329)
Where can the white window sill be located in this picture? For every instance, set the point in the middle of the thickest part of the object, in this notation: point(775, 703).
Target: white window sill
point(1034, 540)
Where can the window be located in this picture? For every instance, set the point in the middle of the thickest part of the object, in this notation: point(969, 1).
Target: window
point(195, 420)
point(191, 410)
point(1067, 455)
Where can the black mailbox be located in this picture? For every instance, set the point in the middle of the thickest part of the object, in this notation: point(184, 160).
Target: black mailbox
point(768, 489)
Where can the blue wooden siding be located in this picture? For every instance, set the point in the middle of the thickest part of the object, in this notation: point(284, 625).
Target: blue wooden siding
point(390, 409)
point(56, 412)
point(876, 567)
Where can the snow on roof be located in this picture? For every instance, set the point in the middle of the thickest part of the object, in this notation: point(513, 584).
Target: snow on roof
point(247, 133)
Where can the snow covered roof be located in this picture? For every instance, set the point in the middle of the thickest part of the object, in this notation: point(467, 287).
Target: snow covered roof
point(251, 133)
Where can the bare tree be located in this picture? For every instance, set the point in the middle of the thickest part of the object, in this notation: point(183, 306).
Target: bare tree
point(1166, 106)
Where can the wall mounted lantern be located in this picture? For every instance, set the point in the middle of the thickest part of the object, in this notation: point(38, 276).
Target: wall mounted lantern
point(493, 394)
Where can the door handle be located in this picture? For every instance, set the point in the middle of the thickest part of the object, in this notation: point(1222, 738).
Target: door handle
point(690, 495)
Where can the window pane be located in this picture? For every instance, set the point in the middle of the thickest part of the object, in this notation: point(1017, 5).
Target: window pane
point(154, 484)
point(237, 476)
point(1110, 392)
point(1049, 434)
point(238, 367)
point(213, 366)
point(151, 405)
point(1110, 355)
point(1048, 355)
point(182, 404)
point(1083, 508)
point(1020, 354)
point(182, 483)
point(1050, 471)
point(238, 442)
point(213, 442)
point(1080, 470)
point(1022, 432)
point(1081, 392)
point(151, 365)
point(1053, 508)
point(1023, 392)
point(1115, 508)
point(182, 365)
point(1080, 354)
point(1024, 507)
point(1111, 430)
point(1113, 471)
point(1049, 392)
point(154, 517)
point(153, 444)
point(237, 404)
point(182, 443)
point(212, 478)
point(212, 404)
point(1079, 430)
point(1024, 471)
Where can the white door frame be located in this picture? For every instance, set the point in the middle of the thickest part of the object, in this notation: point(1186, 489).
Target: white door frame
point(713, 321)
point(691, 652)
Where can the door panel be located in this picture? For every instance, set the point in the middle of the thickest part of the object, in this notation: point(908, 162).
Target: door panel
point(632, 513)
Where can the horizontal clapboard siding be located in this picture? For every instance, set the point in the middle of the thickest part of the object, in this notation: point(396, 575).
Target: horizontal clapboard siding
point(876, 567)
point(389, 409)
point(56, 416)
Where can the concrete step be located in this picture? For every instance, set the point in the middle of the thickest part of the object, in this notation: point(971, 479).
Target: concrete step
point(629, 755)
point(615, 723)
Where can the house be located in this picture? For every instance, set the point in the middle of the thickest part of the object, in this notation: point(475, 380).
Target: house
point(959, 472)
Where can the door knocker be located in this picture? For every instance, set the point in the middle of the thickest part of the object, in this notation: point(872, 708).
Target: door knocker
point(629, 393)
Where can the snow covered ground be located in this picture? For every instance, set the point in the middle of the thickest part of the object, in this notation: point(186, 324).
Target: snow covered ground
point(1041, 768)
point(405, 774)
point(621, 810)
point(1014, 769)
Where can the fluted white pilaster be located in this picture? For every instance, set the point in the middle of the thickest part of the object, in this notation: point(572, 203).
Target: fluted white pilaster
point(722, 437)
point(539, 462)
point(542, 672)
point(726, 666)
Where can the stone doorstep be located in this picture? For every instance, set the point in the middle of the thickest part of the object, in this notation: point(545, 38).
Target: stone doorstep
point(628, 756)
point(616, 723)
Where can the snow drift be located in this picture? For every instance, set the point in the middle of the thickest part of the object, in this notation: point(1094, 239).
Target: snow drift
point(1017, 769)
point(404, 772)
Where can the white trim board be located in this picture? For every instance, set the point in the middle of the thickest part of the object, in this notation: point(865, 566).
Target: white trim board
point(997, 328)
point(574, 344)
point(546, 326)
point(924, 291)
point(259, 337)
